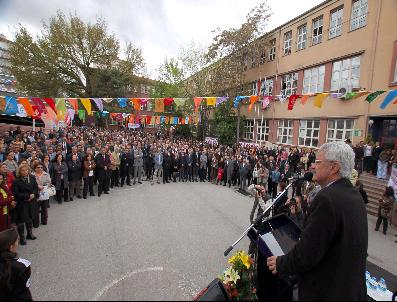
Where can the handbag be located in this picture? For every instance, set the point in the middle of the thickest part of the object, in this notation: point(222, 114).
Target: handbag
point(50, 190)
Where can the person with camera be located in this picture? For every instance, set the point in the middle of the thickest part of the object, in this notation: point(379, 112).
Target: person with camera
point(295, 210)
point(330, 257)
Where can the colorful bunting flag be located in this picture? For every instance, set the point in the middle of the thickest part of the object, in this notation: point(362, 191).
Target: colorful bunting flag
point(168, 101)
point(159, 106)
point(21, 111)
point(304, 99)
point(292, 100)
point(2, 104)
point(237, 100)
point(122, 102)
point(389, 98)
point(60, 109)
point(40, 105)
point(98, 102)
point(82, 114)
point(137, 104)
point(374, 95)
point(318, 101)
point(75, 104)
point(51, 102)
point(71, 113)
point(11, 107)
point(211, 101)
point(197, 102)
point(253, 100)
point(26, 105)
point(87, 105)
point(265, 102)
point(220, 100)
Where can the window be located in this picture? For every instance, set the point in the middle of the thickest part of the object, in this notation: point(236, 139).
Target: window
point(359, 14)
point(317, 30)
point(263, 131)
point(309, 131)
point(253, 89)
point(249, 130)
point(262, 59)
point(346, 74)
point(313, 81)
point(289, 84)
point(340, 130)
point(302, 37)
point(267, 87)
point(272, 52)
point(335, 27)
point(284, 132)
point(287, 43)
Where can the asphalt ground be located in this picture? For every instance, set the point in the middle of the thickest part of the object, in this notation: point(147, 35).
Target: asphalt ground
point(150, 242)
point(145, 242)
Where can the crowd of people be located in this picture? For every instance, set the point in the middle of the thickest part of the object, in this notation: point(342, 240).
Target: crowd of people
point(68, 163)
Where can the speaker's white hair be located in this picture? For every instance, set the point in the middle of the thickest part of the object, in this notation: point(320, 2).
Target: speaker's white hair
point(341, 153)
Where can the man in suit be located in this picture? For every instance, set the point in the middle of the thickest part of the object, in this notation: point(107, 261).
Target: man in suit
point(244, 168)
point(330, 257)
point(126, 162)
point(138, 164)
point(102, 161)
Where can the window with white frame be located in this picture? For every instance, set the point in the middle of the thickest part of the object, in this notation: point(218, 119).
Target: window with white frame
point(272, 52)
point(336, 21)
point(249, 130)
point(289, 84)
point(262, 59)
point(263, 131)
point(267, 87)
point(287, 43)
point(253, 89)
point(284, 131)
point(317, 31)
point(340, 130)
point(309, 132)
point(346, 74)
point(302, 37)
point(359, 14)
point(313, 80)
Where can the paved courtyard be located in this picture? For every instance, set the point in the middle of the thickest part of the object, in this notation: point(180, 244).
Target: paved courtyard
point(147, 243)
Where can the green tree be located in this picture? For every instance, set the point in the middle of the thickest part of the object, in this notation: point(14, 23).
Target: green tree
point(64, 60)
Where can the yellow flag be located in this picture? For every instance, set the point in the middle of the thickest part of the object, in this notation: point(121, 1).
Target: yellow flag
point(318, 101)
point(87, 105)
point(211, 101)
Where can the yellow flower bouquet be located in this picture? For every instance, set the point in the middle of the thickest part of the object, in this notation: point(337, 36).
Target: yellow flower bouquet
point(238, 278)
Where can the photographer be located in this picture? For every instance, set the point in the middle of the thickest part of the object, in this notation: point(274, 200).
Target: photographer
point(259, 192)
point(295, 210)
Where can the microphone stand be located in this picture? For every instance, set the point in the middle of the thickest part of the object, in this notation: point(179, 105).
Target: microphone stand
point(230, 248)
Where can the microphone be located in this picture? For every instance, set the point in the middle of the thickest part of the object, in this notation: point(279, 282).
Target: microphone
point(308, 177)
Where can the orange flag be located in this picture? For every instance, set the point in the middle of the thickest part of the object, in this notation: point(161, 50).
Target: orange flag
point(253, 100)
point(2, 104)
point(159, 105)
point(26, 104)
point(304, 99)
point(167, 119)
point(137, 104)
point(75, 104)
point(197, 102)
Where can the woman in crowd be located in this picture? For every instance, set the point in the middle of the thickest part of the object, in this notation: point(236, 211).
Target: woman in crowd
point(7, 175)
point(26, 192)
point(88, 175)
point(384, 209)
point(74, 172)
point(368, 151)
point(14, 271)
point(46, 163)
point(10, 162)
point(7, 203)
point(59, 178)
point(383, 163)
point(43, 182)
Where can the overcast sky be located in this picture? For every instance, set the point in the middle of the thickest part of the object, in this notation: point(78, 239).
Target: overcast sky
point(160, 27)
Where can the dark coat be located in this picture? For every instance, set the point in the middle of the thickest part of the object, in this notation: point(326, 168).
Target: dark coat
point(19, 278)
point(101, 163)
point(330, 257)
point(126, 162)
point(74, 169)
point(56, 175)
point(21, 191)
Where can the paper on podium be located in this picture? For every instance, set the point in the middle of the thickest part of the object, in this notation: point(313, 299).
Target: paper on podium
point(272, 243)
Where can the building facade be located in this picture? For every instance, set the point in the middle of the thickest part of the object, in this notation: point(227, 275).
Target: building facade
point(337, 46)
point(7, 81)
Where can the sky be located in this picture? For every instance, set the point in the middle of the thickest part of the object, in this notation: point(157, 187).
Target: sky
point(159, 27)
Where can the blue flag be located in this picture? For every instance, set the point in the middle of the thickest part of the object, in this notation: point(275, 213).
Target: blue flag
point(11, 105)
point(388, 99)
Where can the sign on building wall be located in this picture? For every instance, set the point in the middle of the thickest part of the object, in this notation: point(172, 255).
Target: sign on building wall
point(358, 133)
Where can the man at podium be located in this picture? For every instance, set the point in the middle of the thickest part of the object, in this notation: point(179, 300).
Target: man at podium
point(330, 257)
